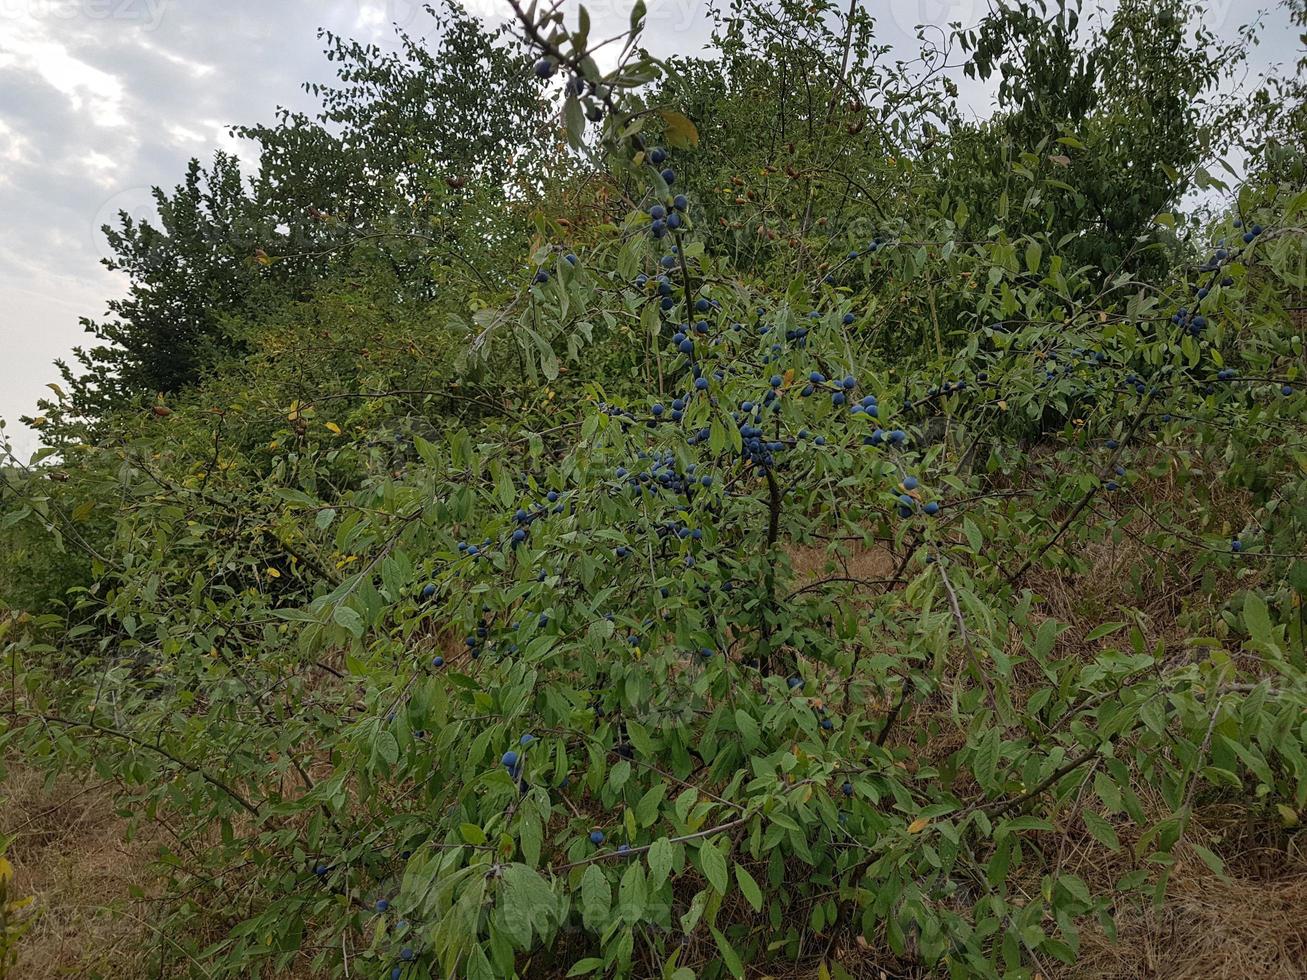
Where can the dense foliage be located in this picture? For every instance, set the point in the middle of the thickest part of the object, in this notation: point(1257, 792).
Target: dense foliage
point(685, 553)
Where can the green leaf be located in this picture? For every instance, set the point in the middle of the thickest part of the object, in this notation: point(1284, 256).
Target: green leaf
point(714, 867)
point(346, 617)
point(631, 894)
point(659, 857)
point(729, 956)
point(694, 913)
point(646, 811)
point(1033, 255)
point(596, 898)
point(1256, 617)
point(574, 121)
point(293, 496)
point(748, 887)
point(985, 760)
point(619, 774)
point(683, 804)
point(528, 903)
point(1103, 831)
point(1107, 791)
point(748, 728)
point(530, 836)
point(1107, 629)
point(548, 359)
point(640, 740)
point(504, 488)
point(471, 833)
point(974, 537)
point(1045, 638)
point(387, 747)
point(1076, 888)
point(1212, 861)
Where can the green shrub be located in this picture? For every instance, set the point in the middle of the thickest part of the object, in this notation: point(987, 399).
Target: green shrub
point(541, 688)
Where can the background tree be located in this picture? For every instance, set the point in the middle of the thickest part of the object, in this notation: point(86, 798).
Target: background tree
point(400, 147)
point(1136, 97)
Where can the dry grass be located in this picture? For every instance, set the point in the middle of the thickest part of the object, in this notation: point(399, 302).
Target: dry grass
point(1208, 930)
point(69, 854)
point(848, 559)
point(94, 913)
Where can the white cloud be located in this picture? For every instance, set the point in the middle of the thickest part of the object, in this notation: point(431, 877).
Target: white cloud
point(14, 147)
point(30, 45)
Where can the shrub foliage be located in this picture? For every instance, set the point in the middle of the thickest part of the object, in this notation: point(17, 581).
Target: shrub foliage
point(468, 624)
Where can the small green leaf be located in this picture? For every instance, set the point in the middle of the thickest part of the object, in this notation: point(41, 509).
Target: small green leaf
point(574, 121)
point(714, 867)
point(387, 747)
point(974, 537)
point(659, 857)
point(1212, 861)
point(1033, 256)
point(596, 898)
point(1103, 831)
point(1076, 888)
point(694, 913)
point(1107, 629)
point(729, 956)
point(1256, 617)
point(646, 811)
point(619, 774)
point(748, 887)
point(748, 728)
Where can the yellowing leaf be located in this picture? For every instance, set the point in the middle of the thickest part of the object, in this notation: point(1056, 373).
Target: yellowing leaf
point(6, 870)
point(918, 825)
point(680, 132)
point(332, 426)
point(57, 390)
point(272, 572)
point(1288, 814)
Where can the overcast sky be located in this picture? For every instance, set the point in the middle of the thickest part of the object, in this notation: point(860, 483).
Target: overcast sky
point(100, 99)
